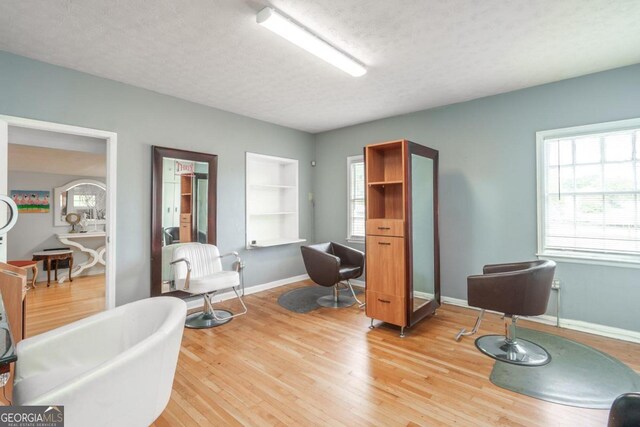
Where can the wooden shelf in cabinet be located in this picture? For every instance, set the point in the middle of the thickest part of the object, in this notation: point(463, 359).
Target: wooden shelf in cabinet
point(396, 182)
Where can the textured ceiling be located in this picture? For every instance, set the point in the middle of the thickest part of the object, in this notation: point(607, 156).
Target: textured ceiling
point(419, 53)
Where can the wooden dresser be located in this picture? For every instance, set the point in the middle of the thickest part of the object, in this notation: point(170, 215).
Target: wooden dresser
point(402, 254)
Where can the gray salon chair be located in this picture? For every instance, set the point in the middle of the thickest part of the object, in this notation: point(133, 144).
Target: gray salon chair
point(625, 411)
point(515, 289)
point(171, 235)
point(331, 265)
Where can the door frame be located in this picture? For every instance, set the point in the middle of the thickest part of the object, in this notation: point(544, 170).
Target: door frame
point(111, 139)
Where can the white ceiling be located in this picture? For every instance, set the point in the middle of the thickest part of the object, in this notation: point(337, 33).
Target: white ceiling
point(419, 53)
point(24, 158)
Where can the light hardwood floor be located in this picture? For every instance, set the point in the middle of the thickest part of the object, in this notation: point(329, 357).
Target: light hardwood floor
point(275, 367)
point(57, 305)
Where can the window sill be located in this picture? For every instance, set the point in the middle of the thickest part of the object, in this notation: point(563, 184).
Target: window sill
point(355, 240)
point(592, 260)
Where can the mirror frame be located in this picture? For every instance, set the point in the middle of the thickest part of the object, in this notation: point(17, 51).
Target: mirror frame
point(431, 306)
point(13, 211)
point(158, 154)
point(57, 192)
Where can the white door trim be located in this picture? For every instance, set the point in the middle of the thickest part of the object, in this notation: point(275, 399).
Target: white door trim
point(4, 167)
point(111, 139)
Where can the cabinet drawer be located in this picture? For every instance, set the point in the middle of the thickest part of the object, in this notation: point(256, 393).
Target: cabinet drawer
point(388, 308)
point(185, 218)
point(386, 265)
point(385, 227)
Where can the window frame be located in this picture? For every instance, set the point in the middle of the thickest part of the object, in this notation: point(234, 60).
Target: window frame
point(350, 236)
point(597, 258)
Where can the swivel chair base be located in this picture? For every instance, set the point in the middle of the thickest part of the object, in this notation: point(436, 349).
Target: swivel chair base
point(336, 300)
point(517, 352)
point(205, 320)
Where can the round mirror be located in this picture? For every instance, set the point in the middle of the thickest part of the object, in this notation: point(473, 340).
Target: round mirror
point(73, 218)
point(8, 214)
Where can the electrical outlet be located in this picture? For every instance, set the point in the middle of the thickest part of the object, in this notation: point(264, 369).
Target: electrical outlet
point(556, 284)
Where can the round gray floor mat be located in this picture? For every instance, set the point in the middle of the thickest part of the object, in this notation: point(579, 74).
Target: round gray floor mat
point(303, 300)
point(578, 375)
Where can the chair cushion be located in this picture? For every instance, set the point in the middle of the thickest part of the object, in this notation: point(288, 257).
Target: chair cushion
point(19, 263)
point(34, 386)
point(349, 271)
point(214, 282)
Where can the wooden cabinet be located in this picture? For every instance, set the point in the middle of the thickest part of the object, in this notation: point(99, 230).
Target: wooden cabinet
point(186, 208)
point(402, 253)
point(13, 288)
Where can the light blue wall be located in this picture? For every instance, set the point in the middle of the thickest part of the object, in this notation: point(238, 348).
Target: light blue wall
point(487, 171)
point(488, 183)
point(143, 118)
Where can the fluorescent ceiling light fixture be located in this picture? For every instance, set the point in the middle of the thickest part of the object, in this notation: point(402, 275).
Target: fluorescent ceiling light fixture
point(286, 28)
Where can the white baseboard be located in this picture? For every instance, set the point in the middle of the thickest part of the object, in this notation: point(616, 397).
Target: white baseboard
point(357, 283)
point(576, 325)
point(197, 302)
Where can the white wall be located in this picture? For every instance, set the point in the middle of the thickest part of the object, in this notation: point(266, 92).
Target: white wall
point(35, 231)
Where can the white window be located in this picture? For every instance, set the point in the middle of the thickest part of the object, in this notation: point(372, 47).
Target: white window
point(355, 184)
point(84, 201)
point(589, 192)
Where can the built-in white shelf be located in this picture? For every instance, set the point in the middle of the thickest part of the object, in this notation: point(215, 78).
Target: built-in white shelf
point(273, 213)
point(275, 242)
point(271, 201)
point(272, 186)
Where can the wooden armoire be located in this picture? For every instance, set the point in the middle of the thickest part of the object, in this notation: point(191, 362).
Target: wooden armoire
point(402, 250)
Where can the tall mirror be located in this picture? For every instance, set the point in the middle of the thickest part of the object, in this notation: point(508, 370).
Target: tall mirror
point(183, 209)
point(425, 295)
point(422, 231)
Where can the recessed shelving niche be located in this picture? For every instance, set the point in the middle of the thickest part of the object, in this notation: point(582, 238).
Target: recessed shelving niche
point(272, 201)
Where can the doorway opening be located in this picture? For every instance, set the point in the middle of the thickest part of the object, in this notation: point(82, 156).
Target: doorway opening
point(63, 180)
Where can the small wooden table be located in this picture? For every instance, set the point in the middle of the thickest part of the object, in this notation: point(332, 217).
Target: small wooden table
point(47, 256)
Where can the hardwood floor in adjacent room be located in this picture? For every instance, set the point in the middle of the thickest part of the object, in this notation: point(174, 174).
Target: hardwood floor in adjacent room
point(275, 367)
point(60, 304)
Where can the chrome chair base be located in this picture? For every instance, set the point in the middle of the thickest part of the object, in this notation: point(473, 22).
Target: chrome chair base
point(517, 352)
point(464, 333)
point(204, 320)
point(330, 301)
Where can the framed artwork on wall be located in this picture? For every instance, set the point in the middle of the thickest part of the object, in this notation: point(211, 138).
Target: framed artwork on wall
point(31, 201)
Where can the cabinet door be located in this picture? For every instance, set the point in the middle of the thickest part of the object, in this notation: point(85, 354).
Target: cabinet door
point(386, 265)
point(185, 232)
point(168, 203)
point(176, 205)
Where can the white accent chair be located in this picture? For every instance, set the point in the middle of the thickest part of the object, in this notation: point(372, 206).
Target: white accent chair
point(115, 368)
point(198, 271)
